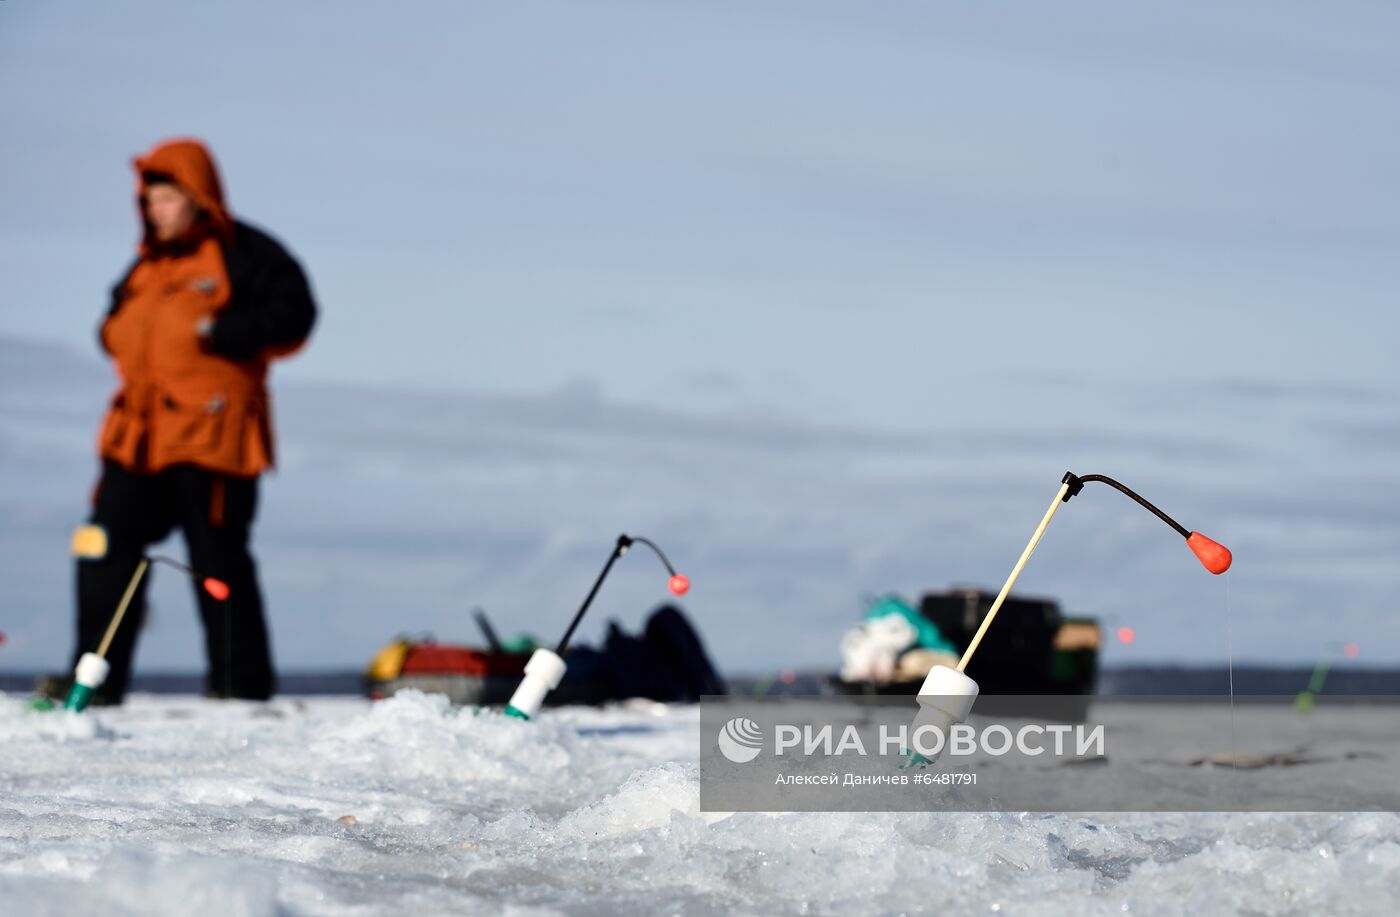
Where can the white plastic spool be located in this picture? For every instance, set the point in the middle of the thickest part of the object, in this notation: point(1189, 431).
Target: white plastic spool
point(945, 700)
point(543, 673)
point(92, 671)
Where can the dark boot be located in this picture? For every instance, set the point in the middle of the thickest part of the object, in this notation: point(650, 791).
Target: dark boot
point(56, 687)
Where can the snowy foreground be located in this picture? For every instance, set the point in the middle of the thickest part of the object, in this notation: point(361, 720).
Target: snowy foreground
point(338, 806)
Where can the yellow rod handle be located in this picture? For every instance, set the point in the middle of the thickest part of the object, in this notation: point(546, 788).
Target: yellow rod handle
point(121, 609)
point(1011, 580)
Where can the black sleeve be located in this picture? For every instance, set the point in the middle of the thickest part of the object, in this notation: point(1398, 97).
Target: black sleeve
point(114, 302)
point(270, 306)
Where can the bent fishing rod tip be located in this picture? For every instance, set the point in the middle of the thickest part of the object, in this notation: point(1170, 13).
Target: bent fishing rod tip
point(1213, 555)
point(215, 587)
point(679, 584)
point(90, 543)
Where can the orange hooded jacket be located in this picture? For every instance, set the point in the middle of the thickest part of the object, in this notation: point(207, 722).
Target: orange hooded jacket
point(187, 397)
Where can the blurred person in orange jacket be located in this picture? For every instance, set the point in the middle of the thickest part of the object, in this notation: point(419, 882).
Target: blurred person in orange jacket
point(192, 328)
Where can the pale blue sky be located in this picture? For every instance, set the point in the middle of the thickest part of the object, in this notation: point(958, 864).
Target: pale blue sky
point(989, 241)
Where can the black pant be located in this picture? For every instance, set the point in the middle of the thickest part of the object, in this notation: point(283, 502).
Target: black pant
point(215, 513)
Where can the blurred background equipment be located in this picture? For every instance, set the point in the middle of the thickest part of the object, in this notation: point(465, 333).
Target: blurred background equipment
point(666, 662)
point(1033, 650)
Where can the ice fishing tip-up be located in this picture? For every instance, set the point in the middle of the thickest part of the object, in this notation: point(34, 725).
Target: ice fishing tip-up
point(90, 543)
point(546, 668)
point(947, 695)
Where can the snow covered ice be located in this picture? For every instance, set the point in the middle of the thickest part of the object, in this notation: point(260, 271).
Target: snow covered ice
point(182, 806)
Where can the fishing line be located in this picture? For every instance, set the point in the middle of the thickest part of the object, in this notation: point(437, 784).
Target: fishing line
point(1230, 666)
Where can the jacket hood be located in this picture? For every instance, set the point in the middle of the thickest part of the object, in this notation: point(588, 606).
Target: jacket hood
point(188, 162)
